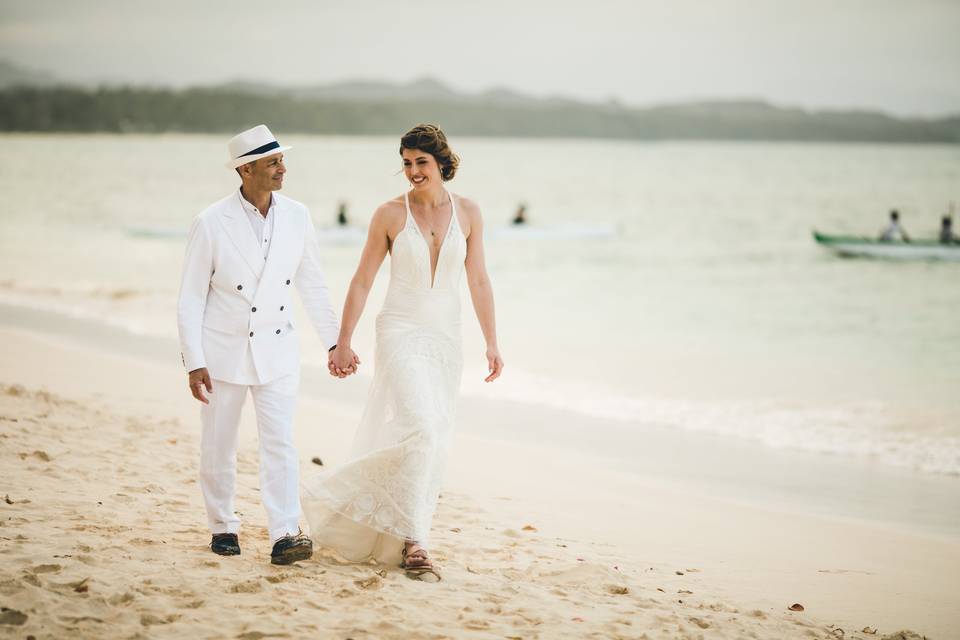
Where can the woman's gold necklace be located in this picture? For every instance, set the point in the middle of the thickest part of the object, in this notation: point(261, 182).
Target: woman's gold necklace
point(433, 233)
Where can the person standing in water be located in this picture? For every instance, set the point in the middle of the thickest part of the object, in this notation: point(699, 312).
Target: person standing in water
point(947, 236)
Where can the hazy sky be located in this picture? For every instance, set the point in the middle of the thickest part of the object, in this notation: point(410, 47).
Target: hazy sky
point(901, 56)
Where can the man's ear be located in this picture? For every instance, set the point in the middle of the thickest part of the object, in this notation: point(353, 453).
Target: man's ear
point(246, 169)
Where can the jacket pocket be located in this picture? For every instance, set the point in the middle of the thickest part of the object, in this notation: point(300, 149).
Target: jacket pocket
point(223, 324)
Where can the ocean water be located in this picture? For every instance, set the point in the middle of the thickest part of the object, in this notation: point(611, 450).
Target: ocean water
point(659, 284)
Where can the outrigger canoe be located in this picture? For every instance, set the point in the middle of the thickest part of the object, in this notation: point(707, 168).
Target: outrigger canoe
point(853, 246)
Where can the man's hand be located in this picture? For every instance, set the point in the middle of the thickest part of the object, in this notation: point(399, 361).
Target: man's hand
point(199, 378)
point(342, 362)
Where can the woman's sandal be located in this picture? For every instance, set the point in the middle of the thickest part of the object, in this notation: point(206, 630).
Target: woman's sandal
point(417, 564)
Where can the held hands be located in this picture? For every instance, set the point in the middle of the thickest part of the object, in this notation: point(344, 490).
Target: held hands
point(200, 379)
point(494, 364)
point(342, 362)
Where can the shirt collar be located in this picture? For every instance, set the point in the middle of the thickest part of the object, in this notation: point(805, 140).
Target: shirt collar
point(249, 208)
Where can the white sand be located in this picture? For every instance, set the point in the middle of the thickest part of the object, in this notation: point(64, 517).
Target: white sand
point(103, 535)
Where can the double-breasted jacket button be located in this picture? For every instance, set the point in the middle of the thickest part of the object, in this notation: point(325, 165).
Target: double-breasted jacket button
point(239, 287)
point(251, 334)
point(254, 309)
point(288, 282)
point(278, 331)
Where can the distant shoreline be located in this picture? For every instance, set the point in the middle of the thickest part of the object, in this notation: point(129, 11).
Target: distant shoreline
point(226, 109)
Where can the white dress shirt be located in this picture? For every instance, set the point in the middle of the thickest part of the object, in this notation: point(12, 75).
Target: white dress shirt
point(262, 226)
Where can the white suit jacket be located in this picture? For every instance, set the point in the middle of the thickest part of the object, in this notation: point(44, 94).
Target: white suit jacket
point(234, 311)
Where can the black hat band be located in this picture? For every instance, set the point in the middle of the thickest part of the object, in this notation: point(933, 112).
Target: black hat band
point(263, 149)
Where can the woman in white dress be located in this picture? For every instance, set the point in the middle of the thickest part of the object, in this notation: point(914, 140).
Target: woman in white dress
point(380, 505)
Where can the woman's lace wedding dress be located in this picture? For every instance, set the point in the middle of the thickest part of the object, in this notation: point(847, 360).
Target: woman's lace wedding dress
point(388, 492)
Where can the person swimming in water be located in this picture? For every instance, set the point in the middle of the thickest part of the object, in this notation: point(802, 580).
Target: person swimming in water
point(520, 217)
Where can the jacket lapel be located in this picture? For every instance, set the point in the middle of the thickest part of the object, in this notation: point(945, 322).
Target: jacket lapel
point(240, 232)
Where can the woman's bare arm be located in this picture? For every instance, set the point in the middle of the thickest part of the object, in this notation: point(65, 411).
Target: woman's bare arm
point(481, 291)
point(374, 251)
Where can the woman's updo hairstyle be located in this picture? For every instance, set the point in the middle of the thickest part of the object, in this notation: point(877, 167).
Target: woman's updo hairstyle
point(429, 138)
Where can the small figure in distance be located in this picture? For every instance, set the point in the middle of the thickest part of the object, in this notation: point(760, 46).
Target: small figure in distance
point(893, 230)
point(342, 215)
point(947, 236)
point(520, 217)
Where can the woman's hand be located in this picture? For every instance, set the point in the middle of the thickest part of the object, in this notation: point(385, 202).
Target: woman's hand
point(342, 362)
point(494, 364)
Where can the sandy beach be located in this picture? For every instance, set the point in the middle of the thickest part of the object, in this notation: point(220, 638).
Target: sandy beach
point(103, 535)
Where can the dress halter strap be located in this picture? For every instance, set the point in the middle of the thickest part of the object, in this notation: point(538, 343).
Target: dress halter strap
point(453, 212)
point(406, 202)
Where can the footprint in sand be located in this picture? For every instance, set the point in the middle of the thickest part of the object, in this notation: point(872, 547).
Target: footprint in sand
point(12, 617)
point(10, 586)
point(77, 586)
point(121, 598)
point(703, 624)
point(32, 580)
point(249, 586)
point(477, 624)
point(40, 455)
point(148, 619)
point(75, 620)
point(724, 608)
point(45, 568)
point(258, 635)
point(142, 542)
point(370, 584)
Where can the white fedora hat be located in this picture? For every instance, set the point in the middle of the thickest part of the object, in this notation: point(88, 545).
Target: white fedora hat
point(251, 145)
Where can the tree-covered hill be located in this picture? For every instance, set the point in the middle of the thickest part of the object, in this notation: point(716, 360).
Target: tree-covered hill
point(380, 108)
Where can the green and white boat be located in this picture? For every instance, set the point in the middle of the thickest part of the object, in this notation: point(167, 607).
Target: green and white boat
point(854, 246)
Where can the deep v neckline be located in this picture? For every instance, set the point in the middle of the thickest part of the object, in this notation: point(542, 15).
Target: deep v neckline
point(443, 240)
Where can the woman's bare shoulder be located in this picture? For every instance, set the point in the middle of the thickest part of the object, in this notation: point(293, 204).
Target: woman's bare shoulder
point(390, 213)
point(469, 212)
point(468, 206)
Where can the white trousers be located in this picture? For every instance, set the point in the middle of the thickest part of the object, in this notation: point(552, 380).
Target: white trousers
point(275, 403)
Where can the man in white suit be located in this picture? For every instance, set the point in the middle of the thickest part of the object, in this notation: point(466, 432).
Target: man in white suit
point(244, 255)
